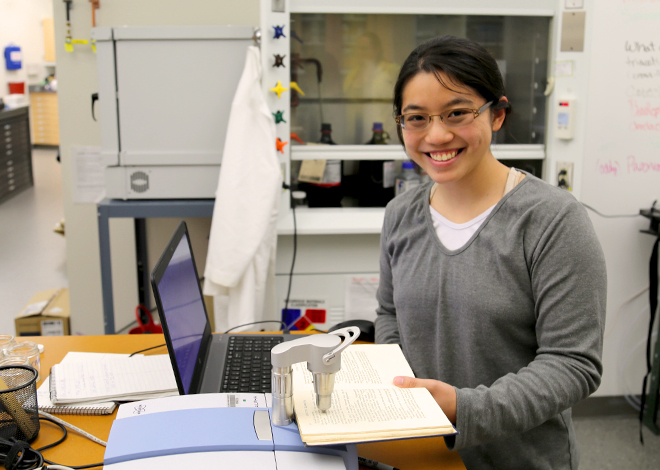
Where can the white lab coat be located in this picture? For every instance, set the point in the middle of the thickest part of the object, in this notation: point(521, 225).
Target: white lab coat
point(240, 265)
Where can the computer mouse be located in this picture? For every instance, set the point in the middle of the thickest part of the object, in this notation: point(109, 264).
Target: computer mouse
point(367, 329)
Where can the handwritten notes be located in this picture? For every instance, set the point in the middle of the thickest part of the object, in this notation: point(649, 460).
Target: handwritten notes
point(622, 146)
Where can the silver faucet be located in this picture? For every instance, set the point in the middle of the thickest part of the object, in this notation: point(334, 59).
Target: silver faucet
point(323, 356)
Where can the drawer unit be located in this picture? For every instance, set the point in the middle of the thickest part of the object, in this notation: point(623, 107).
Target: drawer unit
point(44, 117)
point(15, 152)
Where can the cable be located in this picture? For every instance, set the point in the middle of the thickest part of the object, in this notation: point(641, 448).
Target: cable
point(618, 313)
point(293, 260)
point(64, 436)
point(284, 329)
point(148, 349)
point(608, 216)
point(74, 428)
point(19, 455)
point(126, 327)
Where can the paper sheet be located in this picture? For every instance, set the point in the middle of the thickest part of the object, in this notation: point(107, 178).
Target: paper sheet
point(88, 170)
point(360, 298)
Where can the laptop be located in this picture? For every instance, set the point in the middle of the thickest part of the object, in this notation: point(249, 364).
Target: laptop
point(203, 362)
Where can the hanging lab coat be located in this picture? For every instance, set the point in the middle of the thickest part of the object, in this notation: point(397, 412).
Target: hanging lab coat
point(240, 265)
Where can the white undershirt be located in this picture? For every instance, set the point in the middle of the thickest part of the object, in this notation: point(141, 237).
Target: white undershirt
point(452, 235)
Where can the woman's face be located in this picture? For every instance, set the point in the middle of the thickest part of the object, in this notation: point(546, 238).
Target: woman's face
point(447, 154)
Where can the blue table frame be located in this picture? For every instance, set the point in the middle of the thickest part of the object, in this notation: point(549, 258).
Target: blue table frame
point(138, 210)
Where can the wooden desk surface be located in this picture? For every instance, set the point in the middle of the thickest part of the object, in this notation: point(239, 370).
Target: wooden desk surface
point(423, 454)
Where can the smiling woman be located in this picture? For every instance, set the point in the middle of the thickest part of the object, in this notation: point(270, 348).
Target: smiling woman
point(492, 281)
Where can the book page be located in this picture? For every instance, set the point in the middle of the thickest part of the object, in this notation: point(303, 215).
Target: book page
point(362, 365)
point(364, 398)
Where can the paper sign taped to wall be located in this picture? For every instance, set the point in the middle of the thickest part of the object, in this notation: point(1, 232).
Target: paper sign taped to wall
point(88, 170)
point(360, 299)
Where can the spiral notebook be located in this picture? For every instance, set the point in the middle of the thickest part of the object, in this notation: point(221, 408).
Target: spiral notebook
point(43, 400)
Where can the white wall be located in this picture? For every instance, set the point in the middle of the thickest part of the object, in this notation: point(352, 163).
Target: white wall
point(20, 25)
point(77, 77)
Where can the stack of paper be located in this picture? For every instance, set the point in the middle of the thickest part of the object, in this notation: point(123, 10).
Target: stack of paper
point(96, 377)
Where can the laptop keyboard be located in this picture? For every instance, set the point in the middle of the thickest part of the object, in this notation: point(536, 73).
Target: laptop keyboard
point(247, 366)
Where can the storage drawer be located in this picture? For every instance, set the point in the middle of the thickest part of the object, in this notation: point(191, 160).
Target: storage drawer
point(10, 191)
point(16, 181)
point(46, 138)
point(18, 171)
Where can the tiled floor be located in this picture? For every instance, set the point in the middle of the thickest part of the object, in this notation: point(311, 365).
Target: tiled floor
point(33, 258)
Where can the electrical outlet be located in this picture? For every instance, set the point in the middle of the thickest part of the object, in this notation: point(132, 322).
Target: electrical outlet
point(565, 175)
point(574, 4)
point(277, 6)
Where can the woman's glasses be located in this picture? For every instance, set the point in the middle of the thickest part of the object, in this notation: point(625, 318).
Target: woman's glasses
point(457, 117)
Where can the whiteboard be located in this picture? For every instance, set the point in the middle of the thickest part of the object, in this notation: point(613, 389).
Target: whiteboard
point(621, 172)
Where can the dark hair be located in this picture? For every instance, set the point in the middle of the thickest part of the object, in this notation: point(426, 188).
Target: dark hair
point(464, 62)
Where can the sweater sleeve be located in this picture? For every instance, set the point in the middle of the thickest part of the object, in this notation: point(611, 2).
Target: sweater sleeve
point(387, 328)
point(568, 279)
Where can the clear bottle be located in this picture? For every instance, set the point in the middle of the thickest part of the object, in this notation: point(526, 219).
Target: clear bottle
point(407, 179)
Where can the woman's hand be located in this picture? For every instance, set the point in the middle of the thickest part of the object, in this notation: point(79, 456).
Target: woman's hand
point(444, 394)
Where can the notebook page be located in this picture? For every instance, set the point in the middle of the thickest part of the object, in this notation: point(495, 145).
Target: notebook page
point(75, 381)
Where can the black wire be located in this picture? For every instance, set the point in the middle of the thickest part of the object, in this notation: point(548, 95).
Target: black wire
point(25, 457)
point(30, 458)
point(293, 260)
point(148, 349)
point(126, 327)
point(608, 216)
point(79, 467)
point(64, 434)
point(255, 322)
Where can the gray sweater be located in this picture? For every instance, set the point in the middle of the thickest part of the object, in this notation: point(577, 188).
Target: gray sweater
point(513, 320)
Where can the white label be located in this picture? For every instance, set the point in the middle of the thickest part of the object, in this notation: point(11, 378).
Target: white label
point(52, 328)
point(389, 174)
point(15, 56)
point(332, 173)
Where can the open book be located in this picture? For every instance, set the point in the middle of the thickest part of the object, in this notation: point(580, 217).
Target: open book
point(366, 405)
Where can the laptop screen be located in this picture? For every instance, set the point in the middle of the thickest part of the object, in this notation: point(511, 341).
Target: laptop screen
point(183, 307)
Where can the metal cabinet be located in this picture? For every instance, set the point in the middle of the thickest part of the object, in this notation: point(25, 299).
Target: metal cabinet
point(15, 153)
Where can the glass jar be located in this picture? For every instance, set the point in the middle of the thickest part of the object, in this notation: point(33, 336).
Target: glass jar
point(26, 350)
point(5, 342)
point(14, 361)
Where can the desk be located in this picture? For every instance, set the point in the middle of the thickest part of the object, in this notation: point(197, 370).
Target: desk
point(422, 454)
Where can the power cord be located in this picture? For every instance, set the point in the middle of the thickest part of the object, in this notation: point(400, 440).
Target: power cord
point(609, 216)
point(147, 349)
point(295, 249)
point(19, 455)
point(282, 324)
